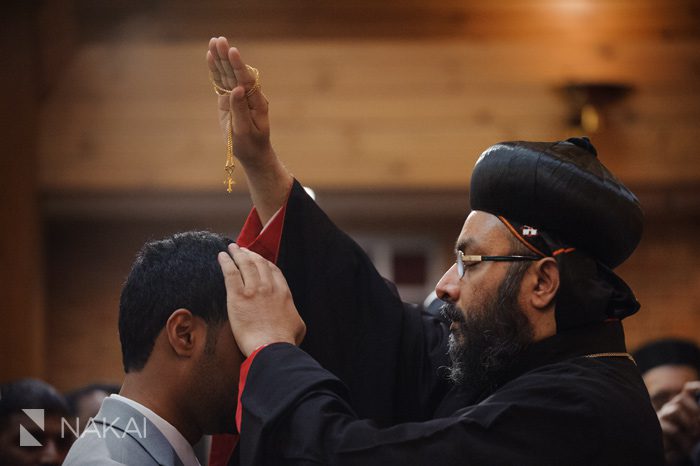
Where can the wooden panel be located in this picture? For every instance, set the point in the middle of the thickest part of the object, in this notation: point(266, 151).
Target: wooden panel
point(664, 274)
point(140, 115)
point(21, 293)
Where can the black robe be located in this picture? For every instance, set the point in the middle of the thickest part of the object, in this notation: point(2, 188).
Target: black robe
point(365, 388)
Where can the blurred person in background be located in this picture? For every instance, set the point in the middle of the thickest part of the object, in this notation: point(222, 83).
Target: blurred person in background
point(671, 371)
point(45, 445)
point(85, 402)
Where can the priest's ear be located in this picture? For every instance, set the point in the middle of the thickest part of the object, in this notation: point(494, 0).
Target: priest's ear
point(544, 283)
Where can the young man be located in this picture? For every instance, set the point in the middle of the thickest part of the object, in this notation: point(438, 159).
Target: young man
point(541, 375)
point(671, 371)
point(179, 355)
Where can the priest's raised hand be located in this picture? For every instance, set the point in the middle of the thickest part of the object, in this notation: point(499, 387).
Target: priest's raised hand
point(244, 121)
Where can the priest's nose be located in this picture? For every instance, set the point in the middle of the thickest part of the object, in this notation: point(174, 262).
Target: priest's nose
point(447, 289)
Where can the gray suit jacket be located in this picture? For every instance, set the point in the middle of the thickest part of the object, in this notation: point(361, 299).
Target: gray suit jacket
point(121, 435)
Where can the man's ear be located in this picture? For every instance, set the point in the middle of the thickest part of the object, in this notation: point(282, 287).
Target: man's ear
point(183, 332)
point(545, 283)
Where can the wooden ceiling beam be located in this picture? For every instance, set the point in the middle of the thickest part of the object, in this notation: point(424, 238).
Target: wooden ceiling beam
point(503, 20)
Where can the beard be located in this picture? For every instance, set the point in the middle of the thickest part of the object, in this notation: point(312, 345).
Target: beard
point(486, 342)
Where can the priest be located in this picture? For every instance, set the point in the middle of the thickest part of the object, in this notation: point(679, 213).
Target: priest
point(537, 372)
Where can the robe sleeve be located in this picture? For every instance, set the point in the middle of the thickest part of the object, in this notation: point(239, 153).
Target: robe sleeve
point(385, 352)
point(295, 412)
point(264, 240)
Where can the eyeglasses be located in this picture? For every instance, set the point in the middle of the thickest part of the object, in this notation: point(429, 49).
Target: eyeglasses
point(464, 261)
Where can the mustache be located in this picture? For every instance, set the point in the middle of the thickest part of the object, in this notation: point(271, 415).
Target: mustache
point(451, 312)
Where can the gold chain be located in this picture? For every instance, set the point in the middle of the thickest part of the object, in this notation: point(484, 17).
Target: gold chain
point(611, 355)
point(230, 164)
point(218, 90)
point(221, 91)
point(256, 85)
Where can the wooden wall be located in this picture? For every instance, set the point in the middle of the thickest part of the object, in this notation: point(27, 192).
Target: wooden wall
point(389, 100)
point(135, 110)
point(22, 334)
point(665, 276)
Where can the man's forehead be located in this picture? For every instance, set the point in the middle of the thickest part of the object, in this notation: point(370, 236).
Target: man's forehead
point(669, 377)
point(481, 229)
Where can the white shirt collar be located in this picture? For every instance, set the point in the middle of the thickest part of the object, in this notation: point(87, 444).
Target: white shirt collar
point(179, 443)
point(274, 216)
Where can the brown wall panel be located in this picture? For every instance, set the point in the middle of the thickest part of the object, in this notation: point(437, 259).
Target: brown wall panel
point(139, 115)
point(22, 335)
point(665, 275)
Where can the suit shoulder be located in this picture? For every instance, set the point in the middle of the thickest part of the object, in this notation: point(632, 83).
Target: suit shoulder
point(110, 449)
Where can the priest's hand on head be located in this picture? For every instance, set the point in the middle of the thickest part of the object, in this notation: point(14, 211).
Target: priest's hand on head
point(260, 306)
point(680, 423)
point(251, 125)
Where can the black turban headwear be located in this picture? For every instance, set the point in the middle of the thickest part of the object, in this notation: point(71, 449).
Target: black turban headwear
point(559, 200)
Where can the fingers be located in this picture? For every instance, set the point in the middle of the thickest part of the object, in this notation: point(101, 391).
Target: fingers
point(280, 283)
point(247, 79)
point(690, 406)
point(692, 388)
point(258, 274)
point(267, 283)
point(222, 48)
point(678, 414)
point(229, 72)
point(248, 267)
point(680, 419)
point(221, 69)
point(211, 64)
point(212, 58)
point(232, 276)
point(262, 310)
point(689, 403)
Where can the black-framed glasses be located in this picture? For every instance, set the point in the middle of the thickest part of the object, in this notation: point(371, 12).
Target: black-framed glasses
point(464, 261)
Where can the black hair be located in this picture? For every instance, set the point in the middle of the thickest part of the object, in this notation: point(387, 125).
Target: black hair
point(177, 272)
point(30, 394)
point(73, 397)
point(668, 351)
